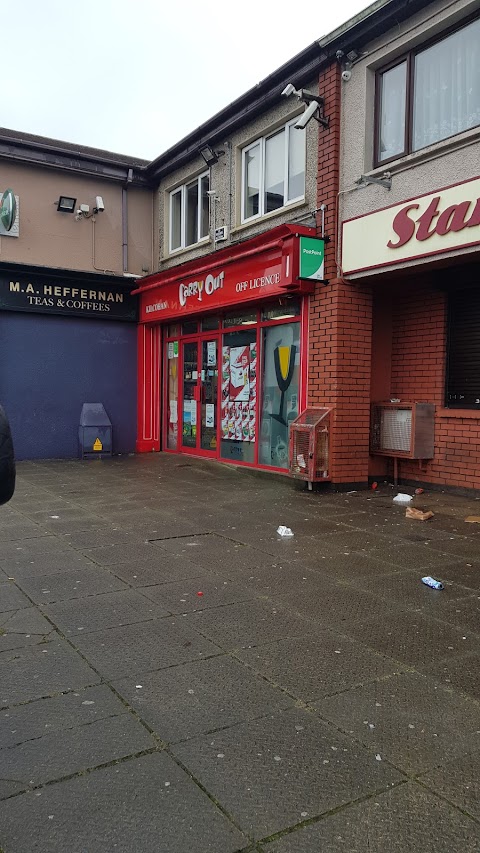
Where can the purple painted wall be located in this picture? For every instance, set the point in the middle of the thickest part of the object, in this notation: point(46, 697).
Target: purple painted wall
point(49, 366)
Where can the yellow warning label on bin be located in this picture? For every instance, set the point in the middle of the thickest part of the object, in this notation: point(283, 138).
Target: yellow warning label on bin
point(97, 445)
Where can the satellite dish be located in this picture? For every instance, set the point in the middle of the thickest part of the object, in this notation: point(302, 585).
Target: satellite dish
point(8, 209)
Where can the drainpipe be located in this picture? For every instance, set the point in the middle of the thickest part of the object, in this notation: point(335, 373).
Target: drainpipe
point(125, 221)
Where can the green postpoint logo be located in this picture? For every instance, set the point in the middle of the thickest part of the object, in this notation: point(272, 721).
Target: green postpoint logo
point(312, 255)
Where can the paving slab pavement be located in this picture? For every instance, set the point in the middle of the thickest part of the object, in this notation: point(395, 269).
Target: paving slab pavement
point(175, 677)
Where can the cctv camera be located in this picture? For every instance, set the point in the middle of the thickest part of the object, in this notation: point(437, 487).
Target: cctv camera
point(99, 205)
point(289, 90)
point(307, 115)
point(346, 75)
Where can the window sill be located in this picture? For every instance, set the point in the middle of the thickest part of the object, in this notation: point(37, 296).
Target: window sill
point(178, 253)
point(282, 211)
point(458, 413)
point(438, 149)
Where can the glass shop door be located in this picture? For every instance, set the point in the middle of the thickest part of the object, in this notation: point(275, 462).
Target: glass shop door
point(200, 396)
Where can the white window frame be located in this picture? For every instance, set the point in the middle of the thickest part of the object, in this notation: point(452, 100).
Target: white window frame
point(182, 190)
point(262, 142)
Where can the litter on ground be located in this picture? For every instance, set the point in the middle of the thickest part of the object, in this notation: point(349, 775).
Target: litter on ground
point(418, 514)
point(429, 581)
point(401, 498)
point(284, 531)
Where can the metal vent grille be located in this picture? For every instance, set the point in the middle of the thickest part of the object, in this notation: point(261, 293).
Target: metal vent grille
point(391, 429)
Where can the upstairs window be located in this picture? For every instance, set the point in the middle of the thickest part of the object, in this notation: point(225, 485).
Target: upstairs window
point(189, 213)
point(273, 172)
point(429, 95)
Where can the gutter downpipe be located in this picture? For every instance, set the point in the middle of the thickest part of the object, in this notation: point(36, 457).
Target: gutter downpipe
point(125, 221)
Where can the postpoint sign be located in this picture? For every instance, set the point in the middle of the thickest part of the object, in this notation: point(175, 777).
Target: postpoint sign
point(311, 259)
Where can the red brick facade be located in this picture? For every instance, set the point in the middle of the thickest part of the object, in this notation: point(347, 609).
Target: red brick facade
point(418, 373)
point(340, 320)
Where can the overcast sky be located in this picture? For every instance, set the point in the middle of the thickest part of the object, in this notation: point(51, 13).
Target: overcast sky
point(136, 77)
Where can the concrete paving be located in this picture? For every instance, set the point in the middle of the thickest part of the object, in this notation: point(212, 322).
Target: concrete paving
point(177, 678)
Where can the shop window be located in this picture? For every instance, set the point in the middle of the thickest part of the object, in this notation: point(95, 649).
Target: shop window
point(273, 172)
point(209, 324)
point(463, 356)
point(283, 310)
point(239, 396)
point(429, 95)
point(189, 327)
point(280, 383)
point(239, 318)
point(189, 220)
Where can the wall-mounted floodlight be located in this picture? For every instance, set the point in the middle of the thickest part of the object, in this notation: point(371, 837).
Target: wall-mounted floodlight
point(209, 155)
point(66, 204)
point(315, 104)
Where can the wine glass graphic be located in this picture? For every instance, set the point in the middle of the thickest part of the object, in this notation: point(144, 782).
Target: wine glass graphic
point(284, 360)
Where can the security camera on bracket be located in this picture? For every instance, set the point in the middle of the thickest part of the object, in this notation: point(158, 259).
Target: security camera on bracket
point(307, 115)
point(82, 211)
point(347, 72)
point(315, 104)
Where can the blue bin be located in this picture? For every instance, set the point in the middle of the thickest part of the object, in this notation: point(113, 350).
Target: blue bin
point(94, 432)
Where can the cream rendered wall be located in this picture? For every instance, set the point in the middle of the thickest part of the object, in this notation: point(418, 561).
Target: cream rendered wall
point(445, 163)
point(53, 239)
point(225, 178)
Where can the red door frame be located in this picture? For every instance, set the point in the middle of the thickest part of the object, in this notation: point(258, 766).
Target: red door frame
point(217, 334)
point(198, 338)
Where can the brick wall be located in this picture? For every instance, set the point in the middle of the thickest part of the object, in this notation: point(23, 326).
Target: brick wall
point(418, 373)
point(340, 320)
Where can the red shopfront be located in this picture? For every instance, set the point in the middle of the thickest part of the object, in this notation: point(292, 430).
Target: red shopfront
point(223, 352)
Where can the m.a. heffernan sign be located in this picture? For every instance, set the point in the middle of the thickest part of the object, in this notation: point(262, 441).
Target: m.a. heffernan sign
point(416, 228)
point(20, 292)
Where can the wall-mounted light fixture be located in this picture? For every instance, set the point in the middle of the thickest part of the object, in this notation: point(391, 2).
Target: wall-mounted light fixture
point(66, 204)
point(314, 104)
point(209, 155)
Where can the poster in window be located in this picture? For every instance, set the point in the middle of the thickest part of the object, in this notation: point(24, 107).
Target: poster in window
point(211, 353)
point(239, 393)
point(239, 374)
point(209, 415)
point(225, 388)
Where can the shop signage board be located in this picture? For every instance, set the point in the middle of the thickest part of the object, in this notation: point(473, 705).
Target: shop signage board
point(312, 258)
point(8, 209)
point(430, 224)
point(44, 295)
point(271, 273)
